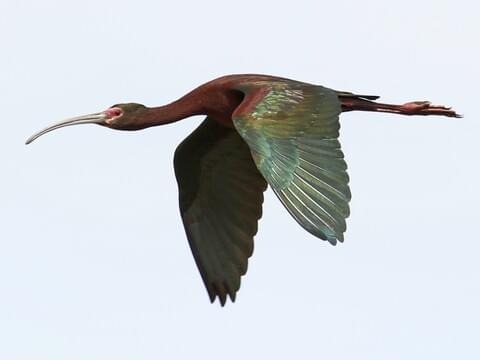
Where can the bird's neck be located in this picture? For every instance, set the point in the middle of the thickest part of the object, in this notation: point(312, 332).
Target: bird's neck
point(187, 106)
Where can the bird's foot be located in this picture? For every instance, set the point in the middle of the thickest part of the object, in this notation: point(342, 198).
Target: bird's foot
point(426, 108)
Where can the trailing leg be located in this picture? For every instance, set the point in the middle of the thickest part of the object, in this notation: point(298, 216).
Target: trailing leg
point(356, 103)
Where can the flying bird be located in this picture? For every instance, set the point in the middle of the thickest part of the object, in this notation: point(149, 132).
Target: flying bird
point(259, 130)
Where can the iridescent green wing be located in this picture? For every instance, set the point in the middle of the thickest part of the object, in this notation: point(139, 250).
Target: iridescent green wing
point(221, 196)
point(292, 131)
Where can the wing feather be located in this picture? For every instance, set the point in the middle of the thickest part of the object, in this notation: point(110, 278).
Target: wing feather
point(221, 196)
point(292, 131)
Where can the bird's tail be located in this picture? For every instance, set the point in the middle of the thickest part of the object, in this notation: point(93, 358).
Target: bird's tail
point(354, 102)
point(345, 94)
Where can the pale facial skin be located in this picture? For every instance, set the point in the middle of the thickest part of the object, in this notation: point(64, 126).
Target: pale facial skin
point(107, 118)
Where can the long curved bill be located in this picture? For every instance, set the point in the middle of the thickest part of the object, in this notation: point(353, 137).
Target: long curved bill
point(97, 118)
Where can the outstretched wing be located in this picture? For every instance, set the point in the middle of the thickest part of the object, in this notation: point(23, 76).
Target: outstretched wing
point(292, 131)
point(221, 196)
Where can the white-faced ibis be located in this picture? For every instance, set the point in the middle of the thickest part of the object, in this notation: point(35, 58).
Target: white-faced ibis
point(259, 130)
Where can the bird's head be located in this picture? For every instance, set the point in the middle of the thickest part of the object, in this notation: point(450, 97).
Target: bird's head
point(119, 117)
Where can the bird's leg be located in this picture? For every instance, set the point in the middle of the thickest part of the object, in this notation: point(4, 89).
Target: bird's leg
point(410, 108)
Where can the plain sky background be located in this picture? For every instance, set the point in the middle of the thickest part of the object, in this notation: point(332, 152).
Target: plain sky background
point(94, 263)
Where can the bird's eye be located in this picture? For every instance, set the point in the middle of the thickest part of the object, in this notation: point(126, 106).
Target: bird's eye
point(114, 112)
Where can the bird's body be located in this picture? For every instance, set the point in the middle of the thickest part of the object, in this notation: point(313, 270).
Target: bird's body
point(259, 130)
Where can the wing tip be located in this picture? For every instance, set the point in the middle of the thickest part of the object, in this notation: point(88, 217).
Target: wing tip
point(331, 237)
point(222, 292)
point(222, 298)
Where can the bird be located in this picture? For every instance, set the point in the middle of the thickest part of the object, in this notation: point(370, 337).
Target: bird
point(259, 130)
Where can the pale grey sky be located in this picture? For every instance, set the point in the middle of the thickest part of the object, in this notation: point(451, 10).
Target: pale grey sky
point(94, 263)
